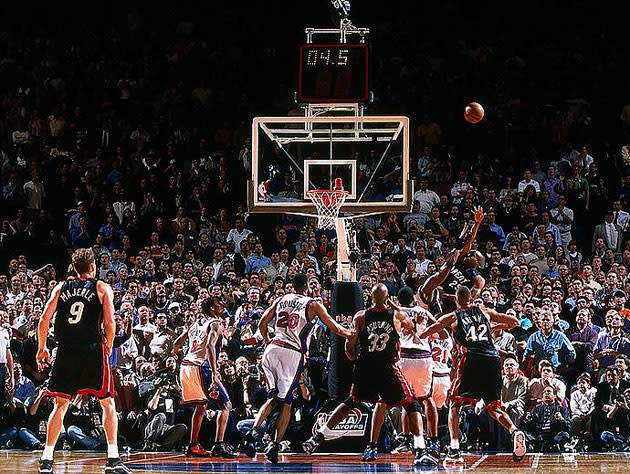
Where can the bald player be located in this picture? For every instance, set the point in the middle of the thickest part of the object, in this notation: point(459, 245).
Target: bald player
point(376, 378)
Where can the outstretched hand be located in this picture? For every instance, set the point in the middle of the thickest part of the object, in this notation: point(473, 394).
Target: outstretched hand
point(479, 215)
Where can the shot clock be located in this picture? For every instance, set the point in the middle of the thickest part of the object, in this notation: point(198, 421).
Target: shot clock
point(333, 73)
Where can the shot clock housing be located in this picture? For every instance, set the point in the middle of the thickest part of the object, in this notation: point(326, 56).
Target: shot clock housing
point(333, 73)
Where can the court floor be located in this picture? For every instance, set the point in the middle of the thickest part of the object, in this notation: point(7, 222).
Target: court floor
point(90, 462)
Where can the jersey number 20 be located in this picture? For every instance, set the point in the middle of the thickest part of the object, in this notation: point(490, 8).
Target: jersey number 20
point(286, 320)
point(76, 310)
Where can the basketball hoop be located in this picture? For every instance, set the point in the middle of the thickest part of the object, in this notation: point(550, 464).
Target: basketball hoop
point(328, 202)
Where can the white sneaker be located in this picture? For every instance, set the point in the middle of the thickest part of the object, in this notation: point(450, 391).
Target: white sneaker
point(520, 448)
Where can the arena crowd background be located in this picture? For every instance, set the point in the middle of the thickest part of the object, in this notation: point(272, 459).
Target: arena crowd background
point(126, 129)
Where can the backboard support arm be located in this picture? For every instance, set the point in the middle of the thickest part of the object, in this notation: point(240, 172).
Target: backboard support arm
point(346, 269)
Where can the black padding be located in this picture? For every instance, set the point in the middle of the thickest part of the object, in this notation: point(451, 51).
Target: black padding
point(346, 301)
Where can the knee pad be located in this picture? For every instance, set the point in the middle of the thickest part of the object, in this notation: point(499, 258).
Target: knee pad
point(412, 407)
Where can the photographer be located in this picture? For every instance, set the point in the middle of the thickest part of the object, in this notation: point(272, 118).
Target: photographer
point(38, 408)
point(617, 436)
point(254, 392)
point(86, 422)
point(608, 393)
point(234, 387)
point(13, 413)
point(161, 431)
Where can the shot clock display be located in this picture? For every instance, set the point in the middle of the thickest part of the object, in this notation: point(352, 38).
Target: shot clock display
point(333, 73)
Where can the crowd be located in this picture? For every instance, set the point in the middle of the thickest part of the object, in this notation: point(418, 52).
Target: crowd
point(139, 153)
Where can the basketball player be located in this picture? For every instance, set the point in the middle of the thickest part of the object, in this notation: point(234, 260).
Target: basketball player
point(428, 294)
point(465, 272)
point(479, 367)
point(376, 376)
point(416, 364)
point(200, 381)
point(441, 348)
point(283, 359)
point(84, 331)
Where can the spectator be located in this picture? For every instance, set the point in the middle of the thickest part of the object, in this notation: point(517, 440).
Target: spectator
point(609, 232)
point(610, 392)
point(547, 379)
point(514, 390)
point(548, 425)
point(238, 234)
point(258, 261)
point(583, 337)
point(611, 343)
point(528, 181)
point(582, 407)
point(426, 198)
point(549, 343)
point(276, 269)
point(161, 344)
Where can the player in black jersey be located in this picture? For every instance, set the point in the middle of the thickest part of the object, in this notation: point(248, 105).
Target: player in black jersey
point(479, 369)
point(84, 332)
point(459, 268)
point(377, 378)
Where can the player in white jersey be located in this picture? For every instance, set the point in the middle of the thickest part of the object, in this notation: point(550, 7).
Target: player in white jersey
point(441, 348)
point(416, 364)
point(283, 360)
point(199, 378)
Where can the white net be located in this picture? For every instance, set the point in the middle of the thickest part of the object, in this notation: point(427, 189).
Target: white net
point(328, 202)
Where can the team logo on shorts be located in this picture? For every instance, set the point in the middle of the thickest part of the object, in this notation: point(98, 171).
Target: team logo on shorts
point(354, 424)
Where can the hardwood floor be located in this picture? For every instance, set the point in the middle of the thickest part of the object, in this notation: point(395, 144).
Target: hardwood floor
point(92, 463)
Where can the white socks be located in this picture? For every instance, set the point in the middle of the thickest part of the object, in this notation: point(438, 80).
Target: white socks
point(47, 455)
point(454, 443)
point(112, 451)
point(326, 432)
point(418, 442)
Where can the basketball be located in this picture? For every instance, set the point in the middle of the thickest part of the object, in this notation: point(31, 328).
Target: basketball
point(473, 112)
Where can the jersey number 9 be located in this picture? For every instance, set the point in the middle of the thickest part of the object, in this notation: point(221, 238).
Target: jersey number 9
point(76, 310)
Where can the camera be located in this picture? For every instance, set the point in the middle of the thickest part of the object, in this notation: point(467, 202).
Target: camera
point(252, 369)
point(162, 379)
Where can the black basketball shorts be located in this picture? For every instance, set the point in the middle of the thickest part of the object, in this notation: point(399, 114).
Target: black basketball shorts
point(478, 377)
point(81, 369)
point(385, 383)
